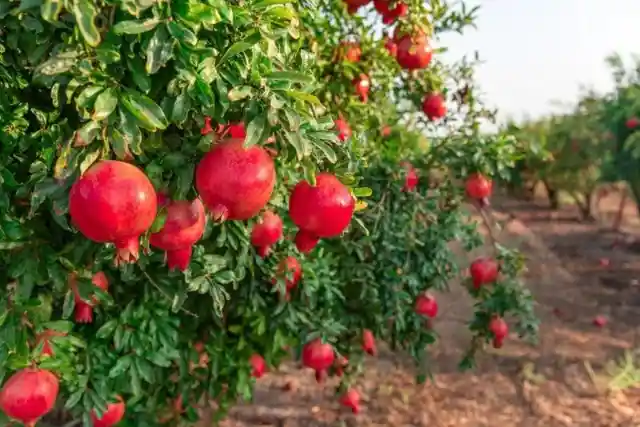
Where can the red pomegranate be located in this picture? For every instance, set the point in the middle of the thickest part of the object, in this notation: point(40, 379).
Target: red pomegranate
point(386, 131)
point(349, 51)
point(343, 128)
point(369, 342)
point(234, 182)
point(391, 46)
point(183, 227)
point(318, 356)
point(426, 305)
point(478, 187)
point(114, 202)
point(112, 416)
point(206, 129)
point(291, 270)
point(362, 85)
point(84, 309)
point(351, 399)
point(45, 337)
point(258, 365)
point(354, 5)
point(499, 329)
point(411, 178)
point(236, 130)
point(340, 364)
point(28, 395)
point(266, 232)
point(414, 52)
point(323, 210)
point(600, 321)
point(434, 107)
point(484, 271)
point(305, 242)
point(632, 123)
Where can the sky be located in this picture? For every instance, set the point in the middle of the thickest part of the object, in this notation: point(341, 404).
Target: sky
point(539, 51)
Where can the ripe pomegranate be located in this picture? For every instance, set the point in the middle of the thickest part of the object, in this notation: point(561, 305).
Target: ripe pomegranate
point(234, 182)
point(206, 129)
point(114, 202)
point(362, 85)
point(28, 395)
point(266, 232)
point(236, 130)
point(478, 187)
point(343, 128)
point(323, 210)
point(411, 178)
point(391, 46)
point(499, 329)
point(386, 131)
point(414, 52)
point(45, 338)
point(600, 321)
point(258, 366)
point(351, 51)
point(632, 123)
point(484, 271)
point(112, 416)
point(351, 399)
point(318, 356)
point(340, 364)
point(183, 227)
point(426, 305)
point(290, 269)
point(369, 342)
point(84, 309)
point(434, 107)
point(354, 5)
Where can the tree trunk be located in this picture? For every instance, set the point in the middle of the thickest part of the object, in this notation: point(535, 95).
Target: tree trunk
point(552, 194)
point(617, 223)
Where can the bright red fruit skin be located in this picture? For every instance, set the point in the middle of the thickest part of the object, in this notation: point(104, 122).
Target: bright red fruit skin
point(114, 202)
point(369, 342)
point(600, 321)
point(354, 5)
point(234, 182)
point(266, 232)
point(112, 416)
point(352, 51)
point(183, 227)
point(343, 128)
point(413, 52)
point(44, 338)
point(632, 123)
point(236, 130)
point(292, 270)
point(391, 47)
point(499, 329)
point(29, 394)
point(478, 186)
point(258, 366)
point(426, 305)
point(206, 129)
point(318, 356)
point(483, 271)
point(351, 399)
point(83, 310)
point(305, 242)
point(362, 85)
point(323, 210)
point(434, 107)
point(411, 178)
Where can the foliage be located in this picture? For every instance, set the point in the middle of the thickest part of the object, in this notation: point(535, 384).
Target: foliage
point(82, 80)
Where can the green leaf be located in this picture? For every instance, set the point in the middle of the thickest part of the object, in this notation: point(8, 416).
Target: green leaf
point(362, 192)
point(121, 366)
point(266, 3)
point(239, 47)
point(182, 33)
point(297, 142)
point(255, 129)
point(139, 74)
point(130, 131)
point(290, 76)
point(181, 108)
point(105, 104)
point(61, 63)
point(50, 10)
point(86, 134)
point(58, 325)
point(85, 13)
point(147, 112)
point(240, 92)
point(119, 145)
point(159, 51)
point(326, 150)
point(303, 96)
point(135, 27)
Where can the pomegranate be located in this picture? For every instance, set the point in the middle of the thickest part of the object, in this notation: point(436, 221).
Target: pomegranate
point(391, 46)
point(351, 51)
point(266, 232)
point(362, 85)
point(45, 338)
point(84, 309)
point(323, 210)
point(434, 107)
point(351, 399)
point(483, 271)
point(600, 321)
point(236, 130)
point(206, 129)
point(340, 364)
point(390, 14)
point(414, 52)
point(28, 395)
point(632, 123)
point(354, 5)
point(478, 187)
point(114, 202)
point(411, 178)
point(291, 270)
point(499, 329)
point(234, 182)
point(112, 416)
point(258, 366)
point(369, 342)
point(426, 305)
point(343, 128)
point(305, 242)
point(318, 356)
point(183, 227)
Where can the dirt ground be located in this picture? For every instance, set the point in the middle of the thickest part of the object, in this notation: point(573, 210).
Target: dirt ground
point(576, 270)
